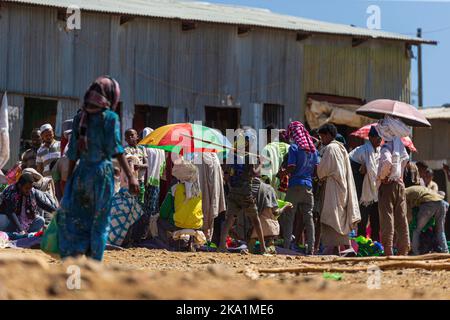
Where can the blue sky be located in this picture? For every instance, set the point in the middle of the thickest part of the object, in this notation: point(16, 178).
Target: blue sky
point(396, 16)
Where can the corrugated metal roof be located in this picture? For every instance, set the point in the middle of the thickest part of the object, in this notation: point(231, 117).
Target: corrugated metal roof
point(207, 12)
point(436, 113)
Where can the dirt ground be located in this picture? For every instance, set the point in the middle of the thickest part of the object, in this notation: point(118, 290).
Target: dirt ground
point(158, 274)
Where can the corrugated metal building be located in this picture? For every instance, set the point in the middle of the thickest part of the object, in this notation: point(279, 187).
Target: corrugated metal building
point(183, 61)
point(433, 144)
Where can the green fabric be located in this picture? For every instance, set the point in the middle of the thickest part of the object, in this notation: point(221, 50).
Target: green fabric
point(413, 225)
point(153, 182)
point(49, 242)
point(141, 193)
point(167, 209)
point(174, 149)
point(56, 176)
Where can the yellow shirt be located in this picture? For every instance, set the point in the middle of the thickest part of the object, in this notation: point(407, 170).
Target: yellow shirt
point(188, 212)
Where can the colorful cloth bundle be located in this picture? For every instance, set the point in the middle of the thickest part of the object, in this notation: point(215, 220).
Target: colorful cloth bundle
point(368, 248)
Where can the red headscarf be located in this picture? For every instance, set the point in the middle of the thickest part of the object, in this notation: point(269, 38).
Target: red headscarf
point(297, 131)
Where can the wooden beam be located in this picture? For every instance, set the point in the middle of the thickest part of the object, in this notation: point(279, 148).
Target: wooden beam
point(243, 30)
point(302, 36)
point(408, 51)
point(125, 19)
point(358, 41)
point(188, 25)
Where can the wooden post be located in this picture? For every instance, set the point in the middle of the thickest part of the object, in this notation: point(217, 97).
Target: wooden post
point(419, 69)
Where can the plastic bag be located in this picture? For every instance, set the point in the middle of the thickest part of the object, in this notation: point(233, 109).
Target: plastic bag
point(14, 174)
point(332, 276)
point(49, 242)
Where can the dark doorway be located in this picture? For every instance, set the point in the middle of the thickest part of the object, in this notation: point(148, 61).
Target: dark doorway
point(149, 116)
point(273, 114)
point(36, 113)
point(222, 118)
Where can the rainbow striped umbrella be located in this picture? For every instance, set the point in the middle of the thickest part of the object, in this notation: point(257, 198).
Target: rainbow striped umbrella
point(187, 138)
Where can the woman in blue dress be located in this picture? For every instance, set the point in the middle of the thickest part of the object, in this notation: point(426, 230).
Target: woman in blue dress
point(84, 217)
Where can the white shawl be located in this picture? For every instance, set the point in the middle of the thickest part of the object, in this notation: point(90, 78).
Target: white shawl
point(368, 156)
point(393, 129)
point(340, 209)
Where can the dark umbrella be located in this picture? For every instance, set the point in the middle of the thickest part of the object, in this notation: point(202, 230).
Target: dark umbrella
point(377, 109)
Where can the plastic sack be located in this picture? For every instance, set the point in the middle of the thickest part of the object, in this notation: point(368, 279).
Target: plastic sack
point(4, 240)
point(49, 242)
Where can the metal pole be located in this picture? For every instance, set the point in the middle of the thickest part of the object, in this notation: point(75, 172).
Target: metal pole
point(419, 69)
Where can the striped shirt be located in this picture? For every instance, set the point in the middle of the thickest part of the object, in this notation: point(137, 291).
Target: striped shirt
point(138, 151)
point(46, 155)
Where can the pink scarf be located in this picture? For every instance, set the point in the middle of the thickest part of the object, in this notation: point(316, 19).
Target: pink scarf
point(103, 93)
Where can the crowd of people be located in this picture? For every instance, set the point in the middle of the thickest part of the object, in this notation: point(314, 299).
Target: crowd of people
point(305, 192)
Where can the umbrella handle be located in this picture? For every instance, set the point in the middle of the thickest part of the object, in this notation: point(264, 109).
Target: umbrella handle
point(223, 146)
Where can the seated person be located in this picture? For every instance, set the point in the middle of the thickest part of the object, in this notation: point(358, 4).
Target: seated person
point(21, 207)
point(430, 205)
point(47, 186)
point(126, 210)
point(182, 207)
point(269, 210)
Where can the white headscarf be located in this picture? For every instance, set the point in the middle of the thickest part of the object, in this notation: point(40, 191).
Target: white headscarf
point(147, 131)
point(392, 130)
point(187, 173)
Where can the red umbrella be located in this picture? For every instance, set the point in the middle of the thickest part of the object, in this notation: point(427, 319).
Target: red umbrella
point(377, 109)
point(364, 134)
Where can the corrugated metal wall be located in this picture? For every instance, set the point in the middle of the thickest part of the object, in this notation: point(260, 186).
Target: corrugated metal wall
point(434, 143)
point(15, 115)
point(369, 71)
point(158, 64)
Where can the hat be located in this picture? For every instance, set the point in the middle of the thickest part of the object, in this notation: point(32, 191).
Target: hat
point(341, 139)
point(373, 132)
point(46, 127)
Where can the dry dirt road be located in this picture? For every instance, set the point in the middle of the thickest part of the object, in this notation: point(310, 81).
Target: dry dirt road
point(157, 274)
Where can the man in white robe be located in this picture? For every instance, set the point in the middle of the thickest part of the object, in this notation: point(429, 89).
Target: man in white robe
point(340, 210)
